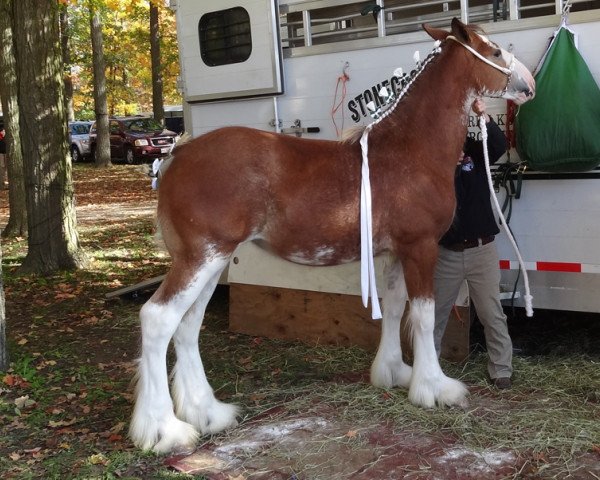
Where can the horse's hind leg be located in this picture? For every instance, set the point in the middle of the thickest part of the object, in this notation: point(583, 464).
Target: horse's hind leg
point(194, 400)
point(388, 369)
point(154, 425)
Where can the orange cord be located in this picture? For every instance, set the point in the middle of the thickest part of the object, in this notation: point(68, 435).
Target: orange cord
point(342, 79)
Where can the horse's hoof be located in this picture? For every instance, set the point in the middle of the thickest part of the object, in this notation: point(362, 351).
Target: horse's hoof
point(220, 416)
point(176, 436)
point(388, 374)
point(443, 392)
point(453, 393)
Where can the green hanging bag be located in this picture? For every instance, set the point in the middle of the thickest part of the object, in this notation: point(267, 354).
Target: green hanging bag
point(559, 130)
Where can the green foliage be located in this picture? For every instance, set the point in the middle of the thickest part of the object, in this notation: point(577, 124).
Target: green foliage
point(24, 367)
point(126, 43)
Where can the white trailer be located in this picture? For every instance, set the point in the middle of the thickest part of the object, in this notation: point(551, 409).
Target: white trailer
point(310, 67)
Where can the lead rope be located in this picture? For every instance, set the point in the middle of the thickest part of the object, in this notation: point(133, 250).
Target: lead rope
point(527, 297)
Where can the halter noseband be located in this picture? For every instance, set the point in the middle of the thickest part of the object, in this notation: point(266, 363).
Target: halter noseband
point(506, 71)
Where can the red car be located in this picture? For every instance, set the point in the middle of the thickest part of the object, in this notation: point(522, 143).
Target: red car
point(136, 139)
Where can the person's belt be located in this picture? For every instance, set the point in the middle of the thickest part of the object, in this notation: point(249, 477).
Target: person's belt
point(462, 246)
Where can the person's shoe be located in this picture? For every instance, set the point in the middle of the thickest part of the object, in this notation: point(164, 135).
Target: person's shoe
point(502, 383)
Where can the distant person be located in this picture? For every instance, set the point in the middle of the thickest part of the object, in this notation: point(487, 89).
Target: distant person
point(467, 252)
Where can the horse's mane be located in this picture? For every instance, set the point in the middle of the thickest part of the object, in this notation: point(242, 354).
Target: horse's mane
point(353, 134)
point(474, 28)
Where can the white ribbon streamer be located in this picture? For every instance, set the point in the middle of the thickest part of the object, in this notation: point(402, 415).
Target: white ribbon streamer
point(368, 283)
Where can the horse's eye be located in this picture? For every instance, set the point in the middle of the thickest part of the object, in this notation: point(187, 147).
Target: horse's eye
point(498, 53)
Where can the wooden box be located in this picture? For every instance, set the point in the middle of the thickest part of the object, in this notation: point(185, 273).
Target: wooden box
point(326, 318)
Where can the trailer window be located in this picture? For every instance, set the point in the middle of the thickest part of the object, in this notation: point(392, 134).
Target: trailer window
point(225, 37)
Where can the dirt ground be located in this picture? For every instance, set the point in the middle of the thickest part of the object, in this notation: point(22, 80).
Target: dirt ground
point(375, 451)
point(280, 445)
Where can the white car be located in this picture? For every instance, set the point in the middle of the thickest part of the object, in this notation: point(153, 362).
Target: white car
point(79, 140)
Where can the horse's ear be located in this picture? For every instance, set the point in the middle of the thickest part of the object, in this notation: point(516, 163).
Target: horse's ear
point(435, 33)
point(459, 30)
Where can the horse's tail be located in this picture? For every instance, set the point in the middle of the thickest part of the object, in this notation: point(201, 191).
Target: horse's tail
point(185, 137)
point(161, 168)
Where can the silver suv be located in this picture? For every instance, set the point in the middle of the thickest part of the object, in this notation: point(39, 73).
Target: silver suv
point(79, 140)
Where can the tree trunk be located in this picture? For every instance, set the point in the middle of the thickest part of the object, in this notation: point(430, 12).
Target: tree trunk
point(157, 86)
point(53, 242)
point(66, 56)
point(102, 147)
point(17, 221)
point(3, 345)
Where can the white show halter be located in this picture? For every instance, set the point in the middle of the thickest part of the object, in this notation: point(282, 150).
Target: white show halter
point(527, 297)
point(506, 71)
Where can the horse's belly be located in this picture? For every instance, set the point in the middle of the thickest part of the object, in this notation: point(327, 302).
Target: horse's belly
point(315, 255)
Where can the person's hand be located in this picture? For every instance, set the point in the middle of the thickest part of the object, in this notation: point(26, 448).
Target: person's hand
point(478, 107)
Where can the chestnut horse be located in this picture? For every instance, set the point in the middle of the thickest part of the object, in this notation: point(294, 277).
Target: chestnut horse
point(300, 199)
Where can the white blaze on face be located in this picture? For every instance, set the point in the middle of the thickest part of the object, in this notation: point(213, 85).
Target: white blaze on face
point(521, 87)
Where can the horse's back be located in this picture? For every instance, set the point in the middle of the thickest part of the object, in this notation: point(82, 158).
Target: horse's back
point(238, 183)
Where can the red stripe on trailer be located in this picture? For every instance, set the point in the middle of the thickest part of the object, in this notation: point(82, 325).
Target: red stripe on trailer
point(558, 267)
point(504, 264)
point(566, 267)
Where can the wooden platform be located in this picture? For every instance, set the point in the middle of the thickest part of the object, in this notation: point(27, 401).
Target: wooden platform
point(325, 318)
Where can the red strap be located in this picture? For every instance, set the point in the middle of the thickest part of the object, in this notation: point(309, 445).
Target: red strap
point(511, 134)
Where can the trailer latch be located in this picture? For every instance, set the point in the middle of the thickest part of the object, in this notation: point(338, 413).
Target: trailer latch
point(297, 129)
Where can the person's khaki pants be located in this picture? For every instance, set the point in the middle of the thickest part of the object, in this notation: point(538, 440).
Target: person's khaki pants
point(479, 267)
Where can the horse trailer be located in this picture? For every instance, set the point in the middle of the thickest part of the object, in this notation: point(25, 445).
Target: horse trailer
point(314, 68)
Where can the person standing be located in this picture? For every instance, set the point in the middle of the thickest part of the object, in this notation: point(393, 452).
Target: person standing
point(467, 252)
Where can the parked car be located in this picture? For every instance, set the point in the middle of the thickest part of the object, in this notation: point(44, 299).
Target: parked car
point(79, 140)
point(135, 139)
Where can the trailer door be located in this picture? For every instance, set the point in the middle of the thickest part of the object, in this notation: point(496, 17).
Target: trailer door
point(228, 49)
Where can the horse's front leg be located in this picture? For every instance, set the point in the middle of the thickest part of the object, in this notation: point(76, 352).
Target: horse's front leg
point(388, 369)
point(429, 386)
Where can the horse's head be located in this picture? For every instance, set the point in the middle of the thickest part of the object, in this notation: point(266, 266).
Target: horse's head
point(501, 74)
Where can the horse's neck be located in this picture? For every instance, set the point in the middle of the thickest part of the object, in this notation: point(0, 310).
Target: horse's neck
point(436, 102)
